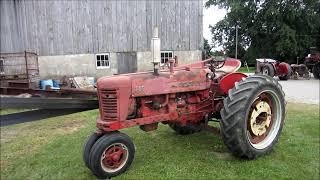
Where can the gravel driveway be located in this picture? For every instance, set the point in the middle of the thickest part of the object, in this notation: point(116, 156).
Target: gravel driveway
point(303, 91)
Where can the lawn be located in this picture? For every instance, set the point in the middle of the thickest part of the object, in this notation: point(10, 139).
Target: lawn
point(52, 149)
point(245, 69)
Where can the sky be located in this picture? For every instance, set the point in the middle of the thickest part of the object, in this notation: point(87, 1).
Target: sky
point(211, 16)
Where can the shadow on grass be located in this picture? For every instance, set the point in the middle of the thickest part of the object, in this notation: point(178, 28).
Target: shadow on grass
point(34, 115)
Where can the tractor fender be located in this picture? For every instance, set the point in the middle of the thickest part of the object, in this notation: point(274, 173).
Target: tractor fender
point(228, 81)
point(283, 68)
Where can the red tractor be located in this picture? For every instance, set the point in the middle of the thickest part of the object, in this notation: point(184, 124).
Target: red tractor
point(312, 61)
point(251, 110)
point(273, 68)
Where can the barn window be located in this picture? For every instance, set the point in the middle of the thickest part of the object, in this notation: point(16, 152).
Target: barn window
point(102, 61)
point(1, 66)
point(165, 56)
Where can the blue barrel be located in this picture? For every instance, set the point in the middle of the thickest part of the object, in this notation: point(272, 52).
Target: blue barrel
point(56, 83)
point(44, 83)
point(92, 81)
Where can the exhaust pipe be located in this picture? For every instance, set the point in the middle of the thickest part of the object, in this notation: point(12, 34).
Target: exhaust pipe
point(155, 51)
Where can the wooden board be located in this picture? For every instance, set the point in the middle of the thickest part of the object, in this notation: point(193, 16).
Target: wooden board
point(73, 27)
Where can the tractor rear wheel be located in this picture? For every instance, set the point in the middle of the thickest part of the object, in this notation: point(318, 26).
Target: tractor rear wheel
point(253, 116)
point(316, 70)
point(185, 130)
point(268, 69)
point(111, 155)
point(87, 147)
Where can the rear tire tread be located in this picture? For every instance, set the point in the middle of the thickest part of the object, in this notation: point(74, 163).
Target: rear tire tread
point(233, 111)
point(90, 141)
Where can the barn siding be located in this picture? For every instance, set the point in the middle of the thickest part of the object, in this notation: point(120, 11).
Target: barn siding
point(74, 27)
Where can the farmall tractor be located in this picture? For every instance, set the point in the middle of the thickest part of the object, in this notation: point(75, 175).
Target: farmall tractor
point(251, 110)
point(312, 61)
point(273, 68)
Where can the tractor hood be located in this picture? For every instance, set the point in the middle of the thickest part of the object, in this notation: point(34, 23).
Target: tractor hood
point(146, 83)
point(191, 77)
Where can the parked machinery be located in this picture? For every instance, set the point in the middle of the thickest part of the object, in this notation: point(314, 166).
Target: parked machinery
point(300, 70)
point(312, 61)
point(273, 68)
point(251, 110)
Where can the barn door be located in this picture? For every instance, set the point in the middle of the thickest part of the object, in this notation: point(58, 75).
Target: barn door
point(127, 62)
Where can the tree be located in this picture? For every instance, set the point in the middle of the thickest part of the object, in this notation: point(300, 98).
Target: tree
point(206, 49)
point(218, 53)
point(279, 29)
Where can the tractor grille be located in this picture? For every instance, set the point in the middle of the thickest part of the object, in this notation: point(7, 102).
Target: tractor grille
point(109, 105)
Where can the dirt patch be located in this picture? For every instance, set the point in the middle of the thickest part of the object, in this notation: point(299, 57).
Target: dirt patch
point(8, 135)
point(222, 155)
point(71, 126)
point(68, 127)
point(3, 163)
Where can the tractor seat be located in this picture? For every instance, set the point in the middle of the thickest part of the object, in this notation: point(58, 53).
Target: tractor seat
point(230, 65)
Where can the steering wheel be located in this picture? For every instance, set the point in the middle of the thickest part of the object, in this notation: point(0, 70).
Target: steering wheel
point(216, 64)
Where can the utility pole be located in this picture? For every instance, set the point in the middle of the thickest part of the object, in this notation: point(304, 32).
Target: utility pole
point(236, 56)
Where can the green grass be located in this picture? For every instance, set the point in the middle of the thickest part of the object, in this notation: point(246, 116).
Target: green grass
point(245, 69)
point(10, 111)
point(52, 149)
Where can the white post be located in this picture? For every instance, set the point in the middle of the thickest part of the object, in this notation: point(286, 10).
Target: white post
point(236, 56)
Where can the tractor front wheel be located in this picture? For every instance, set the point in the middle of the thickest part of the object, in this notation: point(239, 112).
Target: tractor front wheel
point(111, 155)
point(268, 70)
point(87, 147)
point(316, 70)
point(253, 116)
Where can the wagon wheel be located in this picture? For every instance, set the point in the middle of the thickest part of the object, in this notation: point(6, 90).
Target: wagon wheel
point(253, 116)
point(295, 76)
point(307, 75)
point(111, 155)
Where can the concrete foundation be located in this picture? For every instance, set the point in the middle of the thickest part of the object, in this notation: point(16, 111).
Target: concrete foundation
point(74, 65)
point(184, 57)
point(55, 67)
